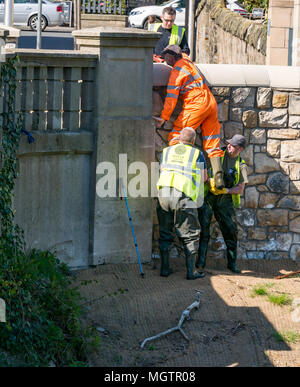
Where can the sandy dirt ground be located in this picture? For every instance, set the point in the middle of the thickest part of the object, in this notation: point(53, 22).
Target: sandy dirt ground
point(233, 326)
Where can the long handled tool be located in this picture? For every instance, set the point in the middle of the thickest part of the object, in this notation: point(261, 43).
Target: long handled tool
point(130, 219)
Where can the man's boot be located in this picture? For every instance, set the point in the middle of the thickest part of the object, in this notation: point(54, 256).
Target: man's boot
point(164, 266)
point(231, 262)
point(216, 164)
point(201, 259)
point(191, 274)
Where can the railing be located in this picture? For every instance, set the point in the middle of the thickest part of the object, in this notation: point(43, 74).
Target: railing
point(56, 93)
point(115, 7)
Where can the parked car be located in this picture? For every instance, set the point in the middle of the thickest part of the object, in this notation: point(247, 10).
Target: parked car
point(26, 13)
point(234, 6)
point(257, 13)
point(138, 17)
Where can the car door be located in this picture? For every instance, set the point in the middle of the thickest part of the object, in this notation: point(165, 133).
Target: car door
point(1, 11)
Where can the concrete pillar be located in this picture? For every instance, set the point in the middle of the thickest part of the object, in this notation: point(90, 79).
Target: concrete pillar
point(279, 48)
point(8, 39)
point(296, 34)
point(124, 135)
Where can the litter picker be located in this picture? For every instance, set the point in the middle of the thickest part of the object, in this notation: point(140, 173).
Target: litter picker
point(123, 190)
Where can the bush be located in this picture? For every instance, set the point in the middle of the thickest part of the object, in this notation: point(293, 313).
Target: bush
point(42, 311)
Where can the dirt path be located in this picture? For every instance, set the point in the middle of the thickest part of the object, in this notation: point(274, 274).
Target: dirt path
point(231, 328)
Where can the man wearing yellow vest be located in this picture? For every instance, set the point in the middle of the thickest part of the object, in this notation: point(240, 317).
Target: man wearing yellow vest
point(171, 33)
point(222, 202)
point(180, 192)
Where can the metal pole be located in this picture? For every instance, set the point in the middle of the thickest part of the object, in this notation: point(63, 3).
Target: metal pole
point(39, 26)
point(9, 13)
point(191, 27)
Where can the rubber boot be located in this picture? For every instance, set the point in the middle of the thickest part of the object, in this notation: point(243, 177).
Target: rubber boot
point(191, 274)
point(165, 271)
point(201, 259)
point(216, 164)
point(231, 262)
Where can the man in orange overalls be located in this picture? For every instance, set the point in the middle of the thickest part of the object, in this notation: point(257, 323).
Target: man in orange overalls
point(199, 107)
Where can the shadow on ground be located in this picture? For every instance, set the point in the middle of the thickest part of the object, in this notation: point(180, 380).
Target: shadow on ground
point(231, 328)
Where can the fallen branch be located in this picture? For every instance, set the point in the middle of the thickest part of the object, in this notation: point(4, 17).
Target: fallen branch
point(185, 316)
point(287, 275)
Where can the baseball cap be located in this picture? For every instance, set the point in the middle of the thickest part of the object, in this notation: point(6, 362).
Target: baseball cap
point(172, 49)
point(237, 140)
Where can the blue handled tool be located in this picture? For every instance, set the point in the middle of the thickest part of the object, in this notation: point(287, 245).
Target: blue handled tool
point(130, 219)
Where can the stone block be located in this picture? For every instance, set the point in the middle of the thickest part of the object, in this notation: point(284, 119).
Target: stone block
point(295, 252)
point(295, 187)
point(256, 179)
point(294, 122)
point(223, 109)
point(276, 118)
point(247, 155)
point(278, 182)
point(273, 148)
point(290, 151)
point(294, 105)
point(273, 217)
point(236, 114)
point(264, 163)
point(221, 91)
point(258, 136)
point(232, 128)
point(284, 134)
point(255, 254)
point(268, 200)
point(264, 97)
point(268, 245)
point(295, 225)
point(294, 169)
point(244, 97)
point(246, 217)
point(280, 100)
point(257, 233)
point(249, 118)
point(251, 197)
point(291, 202)
point(262, 188)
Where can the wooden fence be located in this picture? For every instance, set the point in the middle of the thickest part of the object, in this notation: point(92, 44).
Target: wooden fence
point(115, 7)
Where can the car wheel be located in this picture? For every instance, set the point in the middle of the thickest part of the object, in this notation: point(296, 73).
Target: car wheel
point(33, 22)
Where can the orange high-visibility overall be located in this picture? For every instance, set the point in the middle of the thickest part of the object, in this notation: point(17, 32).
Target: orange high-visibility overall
point(199, 106)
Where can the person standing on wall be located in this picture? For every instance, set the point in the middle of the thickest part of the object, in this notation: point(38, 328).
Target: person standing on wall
point(199, 107)
point(221, 203)
point(180, 192)
point(171, 33)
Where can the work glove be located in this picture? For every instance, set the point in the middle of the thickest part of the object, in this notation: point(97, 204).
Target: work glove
point(214, 190)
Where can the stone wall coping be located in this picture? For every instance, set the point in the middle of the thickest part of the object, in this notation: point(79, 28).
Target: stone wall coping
point(115, 32)
point(93, 16)
point(234, 75)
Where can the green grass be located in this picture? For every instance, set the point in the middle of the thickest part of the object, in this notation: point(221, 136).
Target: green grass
point(287, 337)
point(262, 290)
point(280, 299)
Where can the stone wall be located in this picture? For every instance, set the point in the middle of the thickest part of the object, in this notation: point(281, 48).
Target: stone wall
point(223, 36)
point(254, 102)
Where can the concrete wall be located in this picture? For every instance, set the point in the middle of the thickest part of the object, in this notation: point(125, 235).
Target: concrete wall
point(262, 103)
point(223, 36)
point(83, 108)
point(89, 20)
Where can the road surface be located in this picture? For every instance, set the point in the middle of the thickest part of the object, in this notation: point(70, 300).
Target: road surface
point(50, 40)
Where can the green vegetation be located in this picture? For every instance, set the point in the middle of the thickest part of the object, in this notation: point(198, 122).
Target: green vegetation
point(277, 299)
point(42, 308)
point(287, 337)
point(250, 4)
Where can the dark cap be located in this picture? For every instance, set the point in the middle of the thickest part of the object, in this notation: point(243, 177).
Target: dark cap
point(172, 49)
point(237, 140)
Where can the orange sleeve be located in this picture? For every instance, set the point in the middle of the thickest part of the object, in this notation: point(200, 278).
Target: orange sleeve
point(175, 81)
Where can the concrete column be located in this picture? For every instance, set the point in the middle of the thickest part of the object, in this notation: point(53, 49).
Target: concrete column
point(124, 135)
point(296, 34)
point(279, 50)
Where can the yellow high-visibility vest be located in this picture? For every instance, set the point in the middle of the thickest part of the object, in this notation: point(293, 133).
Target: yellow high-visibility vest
point(179, 169)
point(177, 32)
point(236, 198)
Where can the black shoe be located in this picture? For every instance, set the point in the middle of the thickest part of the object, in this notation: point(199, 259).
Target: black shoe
point(233, 268)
